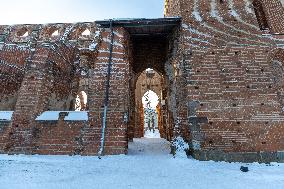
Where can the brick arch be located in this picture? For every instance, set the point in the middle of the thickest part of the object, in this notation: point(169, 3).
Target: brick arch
point(276, 54)
point(269, 14)
point(276, 58)
point(65, 76)
point(260, 14)
point(22, 31)
point(12, 70)
point(79, 29)
point(158, 86)
point(149, 52)
point(156, 76)
point(9, 88)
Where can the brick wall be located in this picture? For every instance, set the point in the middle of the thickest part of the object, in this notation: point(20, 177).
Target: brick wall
point(53, 70)
point(240, 100)
point(222, 82)
point(12, 66)
point(33, 98)
point(234, 95)
point(116, 133)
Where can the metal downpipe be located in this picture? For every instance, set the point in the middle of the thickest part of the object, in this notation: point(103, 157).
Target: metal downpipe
point(107, 85)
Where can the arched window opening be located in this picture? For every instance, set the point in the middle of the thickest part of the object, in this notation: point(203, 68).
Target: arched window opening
point(150, 102)
point(260, 15)
point(55, 33)
point(86, 32)
point(23, 32)
point(81, 102)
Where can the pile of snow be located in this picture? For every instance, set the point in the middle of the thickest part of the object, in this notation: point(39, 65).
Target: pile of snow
point(6, 115)
point(148, 165)
point(72, 116)
point(180, 147)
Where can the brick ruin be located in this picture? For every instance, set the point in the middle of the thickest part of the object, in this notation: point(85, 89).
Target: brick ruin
point(218, 73)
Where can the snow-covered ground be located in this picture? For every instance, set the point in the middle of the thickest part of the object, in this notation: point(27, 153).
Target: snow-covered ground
point(148, 165)
point(154, 133)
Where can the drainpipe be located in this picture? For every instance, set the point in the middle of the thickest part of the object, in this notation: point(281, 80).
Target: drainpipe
point(106, 101)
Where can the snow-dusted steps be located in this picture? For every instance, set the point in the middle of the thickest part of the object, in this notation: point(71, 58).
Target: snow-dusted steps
point(149, 146)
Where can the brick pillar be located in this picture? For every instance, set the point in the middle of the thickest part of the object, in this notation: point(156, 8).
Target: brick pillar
point(132, 112)
point(116, 130)
point(32, 99)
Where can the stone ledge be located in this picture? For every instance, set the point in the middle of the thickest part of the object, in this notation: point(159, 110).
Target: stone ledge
point(64, 115)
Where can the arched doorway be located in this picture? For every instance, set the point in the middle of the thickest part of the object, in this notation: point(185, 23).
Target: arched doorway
point(150, 101)
point(149, 104)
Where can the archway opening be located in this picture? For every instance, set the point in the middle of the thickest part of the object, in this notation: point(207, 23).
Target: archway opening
point(151, 43)
point(150, 101)
point(81, 101)
point(148, 96)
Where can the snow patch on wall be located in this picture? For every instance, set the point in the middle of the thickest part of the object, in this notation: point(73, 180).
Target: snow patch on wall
point(72, 116)
point(195, 31)
point(214, 12)
point(196, 13)
point(115, 43)
point(248, 7)
point(67, 32)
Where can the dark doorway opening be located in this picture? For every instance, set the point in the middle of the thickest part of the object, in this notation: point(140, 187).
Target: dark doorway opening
point(151, 44)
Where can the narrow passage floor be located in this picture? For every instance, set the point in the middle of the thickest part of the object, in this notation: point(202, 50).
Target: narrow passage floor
point(149, 146)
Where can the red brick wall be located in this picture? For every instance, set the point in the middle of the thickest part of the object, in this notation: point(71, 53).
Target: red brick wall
point(59, 137)
point(239, 99)
point(12, 66)
point(222, 83)
point(33, 97)
point(234, 103)
point(52, 77)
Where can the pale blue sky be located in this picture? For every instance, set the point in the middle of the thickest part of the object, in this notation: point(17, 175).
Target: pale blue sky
point(54, 11)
